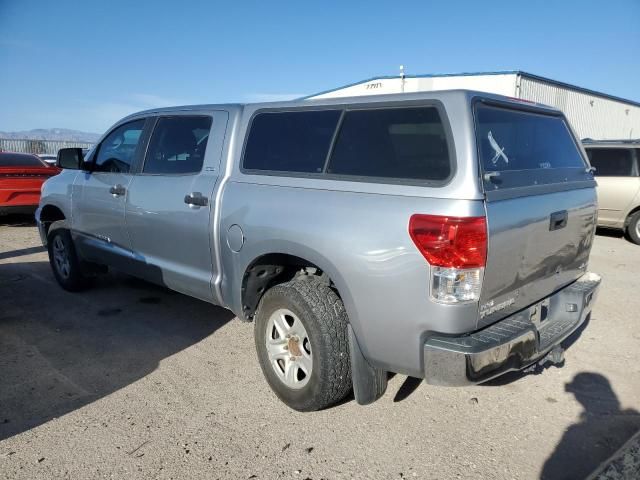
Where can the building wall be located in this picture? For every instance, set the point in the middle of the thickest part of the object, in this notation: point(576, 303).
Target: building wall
point(503, 84)
point(591, 116)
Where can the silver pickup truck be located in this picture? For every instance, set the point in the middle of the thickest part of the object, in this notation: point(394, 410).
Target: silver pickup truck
point(441, 235)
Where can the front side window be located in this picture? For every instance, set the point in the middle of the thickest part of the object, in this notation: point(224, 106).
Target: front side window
point(117, 151)
point(178, 145)
point(290, 141)
point(611, 162)
point(396, 143)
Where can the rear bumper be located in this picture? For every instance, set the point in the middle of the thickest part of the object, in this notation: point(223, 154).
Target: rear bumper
point(20, 197)
point(17, 209)
point(510, 344)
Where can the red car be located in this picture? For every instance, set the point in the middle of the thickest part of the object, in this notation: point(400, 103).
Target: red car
point(21, 176)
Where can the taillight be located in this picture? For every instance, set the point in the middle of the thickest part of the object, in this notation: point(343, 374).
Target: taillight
point(456, 249)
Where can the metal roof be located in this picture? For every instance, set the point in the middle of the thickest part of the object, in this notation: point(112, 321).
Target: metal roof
point(626, 141)
point(473, 74)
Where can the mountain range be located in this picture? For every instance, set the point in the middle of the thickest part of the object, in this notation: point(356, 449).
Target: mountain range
point(52, 134)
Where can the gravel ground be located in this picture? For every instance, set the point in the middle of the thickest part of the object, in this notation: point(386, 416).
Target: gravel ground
point(128, 380)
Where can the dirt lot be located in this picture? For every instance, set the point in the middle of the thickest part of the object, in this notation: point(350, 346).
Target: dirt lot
point(128, 380)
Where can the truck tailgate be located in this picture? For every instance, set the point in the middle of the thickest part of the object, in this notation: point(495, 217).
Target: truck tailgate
point(532, 255)
point(541, 206)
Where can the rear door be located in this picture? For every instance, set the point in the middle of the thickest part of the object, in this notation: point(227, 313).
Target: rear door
point(170, 203)
point(541, 205)
point(618, 184)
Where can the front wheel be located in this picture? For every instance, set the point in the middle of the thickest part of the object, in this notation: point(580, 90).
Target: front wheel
point(633, 228)
point(64, 261)
point(301, 341)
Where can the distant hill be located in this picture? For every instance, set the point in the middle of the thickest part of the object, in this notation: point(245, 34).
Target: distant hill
point(53, 134)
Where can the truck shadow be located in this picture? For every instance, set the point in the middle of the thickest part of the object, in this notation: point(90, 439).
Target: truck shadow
point(603, 428)
point(60, 351)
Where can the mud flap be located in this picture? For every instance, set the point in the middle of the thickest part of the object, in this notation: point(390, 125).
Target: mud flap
point(369, 383)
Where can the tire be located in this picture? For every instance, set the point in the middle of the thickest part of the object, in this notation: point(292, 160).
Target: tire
point(633, 228)
point(64, 261)
point(315, 318)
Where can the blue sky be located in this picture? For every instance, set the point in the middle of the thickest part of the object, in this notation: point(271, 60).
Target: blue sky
point(85, 64)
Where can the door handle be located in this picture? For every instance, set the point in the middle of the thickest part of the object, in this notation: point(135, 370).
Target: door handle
point(196, 199)
point(558, 220)
point(117, 190)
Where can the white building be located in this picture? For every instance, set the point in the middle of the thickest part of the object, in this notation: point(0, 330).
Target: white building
point(592, 114)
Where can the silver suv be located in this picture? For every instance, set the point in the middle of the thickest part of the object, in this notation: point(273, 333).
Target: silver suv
point(618, 175)
point(441, 235)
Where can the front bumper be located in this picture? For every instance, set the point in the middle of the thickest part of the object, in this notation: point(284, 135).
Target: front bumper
point(513, 343)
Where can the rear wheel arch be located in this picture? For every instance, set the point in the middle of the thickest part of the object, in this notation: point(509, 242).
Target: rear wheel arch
point(270, 269)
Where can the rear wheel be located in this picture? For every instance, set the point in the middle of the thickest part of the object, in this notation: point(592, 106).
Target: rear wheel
point(633, 228)
point(64, 261)
point(302, 346)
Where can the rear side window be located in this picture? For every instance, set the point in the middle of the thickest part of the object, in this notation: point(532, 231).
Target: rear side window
point(178, 145)
point(520, 140)
point(612, 162)
point(19, 160)
point(290, 141)
point(401, 143)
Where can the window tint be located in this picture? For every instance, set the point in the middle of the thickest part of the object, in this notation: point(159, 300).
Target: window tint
point(178, 145)
point(116, 152)
point(19, 160)
point(518, 140)
point(407, 143)
point(611, 162)
point(290, 141)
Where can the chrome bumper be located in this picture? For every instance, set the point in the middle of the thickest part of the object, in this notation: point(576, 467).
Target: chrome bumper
point(513, 343)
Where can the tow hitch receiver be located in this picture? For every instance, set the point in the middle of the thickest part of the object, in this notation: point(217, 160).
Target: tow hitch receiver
point(554, 357)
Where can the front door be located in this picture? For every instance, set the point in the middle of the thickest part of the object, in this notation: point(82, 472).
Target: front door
point(170, 203)
point(99, 195)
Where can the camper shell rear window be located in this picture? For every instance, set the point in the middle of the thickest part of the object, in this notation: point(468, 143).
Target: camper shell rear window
point(525, 147)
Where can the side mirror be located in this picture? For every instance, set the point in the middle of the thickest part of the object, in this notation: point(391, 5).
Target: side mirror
point(70, 158)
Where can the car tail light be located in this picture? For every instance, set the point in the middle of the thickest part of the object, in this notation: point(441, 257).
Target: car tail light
point(456, 249)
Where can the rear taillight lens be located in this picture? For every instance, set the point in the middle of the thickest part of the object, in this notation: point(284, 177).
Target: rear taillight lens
point(456, 249)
